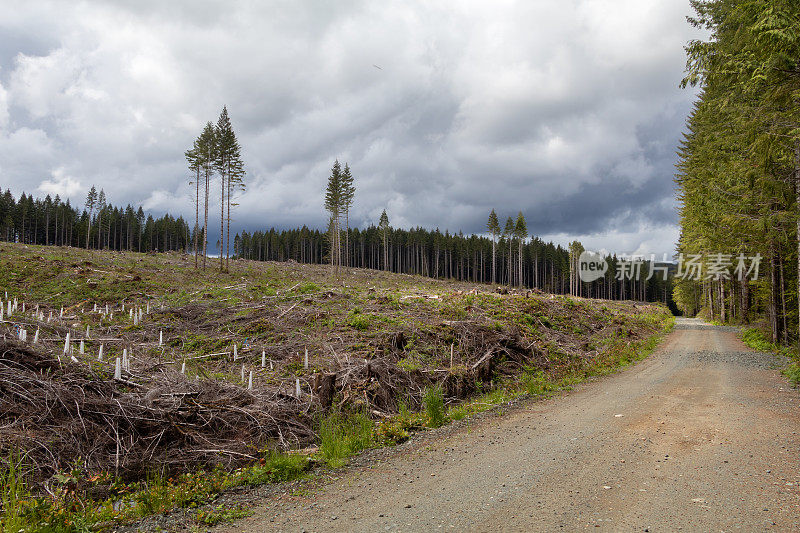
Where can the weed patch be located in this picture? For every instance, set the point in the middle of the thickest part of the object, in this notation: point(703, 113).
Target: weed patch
point(433, 400)
point(342, 435)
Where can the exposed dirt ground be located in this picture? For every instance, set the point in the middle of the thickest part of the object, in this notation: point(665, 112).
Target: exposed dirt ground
point(702, 436)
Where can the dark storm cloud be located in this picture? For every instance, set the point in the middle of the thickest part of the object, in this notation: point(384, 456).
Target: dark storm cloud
point(566, 111)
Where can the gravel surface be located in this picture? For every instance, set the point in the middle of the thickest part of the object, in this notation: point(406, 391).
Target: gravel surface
point(701, 436)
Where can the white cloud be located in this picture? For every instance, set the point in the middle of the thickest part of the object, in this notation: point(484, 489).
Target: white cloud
point(60, 184)
point(643, 239)
point(3, 108)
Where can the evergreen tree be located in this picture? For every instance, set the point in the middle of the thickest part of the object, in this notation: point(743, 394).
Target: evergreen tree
point(739, 170)
point(348, 194)
point(228, 163)
point(91, 203)
point(193, 158)
point(101, 212)
point(493, 225)
point(207, 155)
point(521, 233)
point(383, 225)
point(508, 233)
point(334, 200)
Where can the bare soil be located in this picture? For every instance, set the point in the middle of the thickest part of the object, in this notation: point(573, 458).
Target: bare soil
point(701, 436)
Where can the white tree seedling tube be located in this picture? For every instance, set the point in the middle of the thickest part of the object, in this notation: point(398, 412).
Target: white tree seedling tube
point(94, 310)
point(125, 358)
point(82, 348)
point(160, 337)
point(263, 359)
point(61, 313)
point(118, 369)
point(297, 391)
point(235, 355)
point(130, 314)
point(66, 343)
point(87, 331)
point(183, 367)
point(73, 359)
point(305, 362)
point(250, 381)
point(148, 308)
point(100, 353)
point(36, 336)
point(1, 313)
point(270, 364)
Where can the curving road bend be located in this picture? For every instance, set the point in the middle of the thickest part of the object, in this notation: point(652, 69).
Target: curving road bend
point(701, 436)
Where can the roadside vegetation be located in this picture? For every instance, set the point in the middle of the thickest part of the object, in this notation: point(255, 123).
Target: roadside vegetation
point(337, 365)
point(756, 339)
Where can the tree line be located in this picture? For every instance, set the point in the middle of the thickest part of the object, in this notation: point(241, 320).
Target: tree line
point(739, 172)
point(440, 255)
point(444, 255)
point(98, 225)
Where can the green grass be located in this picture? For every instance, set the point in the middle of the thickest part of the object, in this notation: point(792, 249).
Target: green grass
point(536, 383)
point(342, 435)
point(69, 512)
point(755, 339)
point(307, 288)
point(13, 494)
point(433, 400)
point(274, 468)
point(220, 514)
point(793, 373)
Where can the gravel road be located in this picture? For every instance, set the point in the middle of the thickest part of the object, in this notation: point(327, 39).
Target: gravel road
point(701, 436)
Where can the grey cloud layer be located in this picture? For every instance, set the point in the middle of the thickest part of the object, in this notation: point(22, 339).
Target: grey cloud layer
point(567, 111)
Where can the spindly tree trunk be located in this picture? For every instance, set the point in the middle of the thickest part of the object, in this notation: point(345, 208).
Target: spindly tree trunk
point(205, 222)
point(494, 259)
point(228, 230)
point(196, 216)
point(222, 223)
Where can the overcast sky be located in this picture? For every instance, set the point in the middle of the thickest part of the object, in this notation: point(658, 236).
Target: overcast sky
point(568, 111)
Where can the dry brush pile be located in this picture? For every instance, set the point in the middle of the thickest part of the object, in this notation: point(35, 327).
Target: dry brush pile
point(56, 411)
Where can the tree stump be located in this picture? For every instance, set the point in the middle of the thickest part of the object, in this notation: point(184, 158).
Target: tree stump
point(325, 384)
